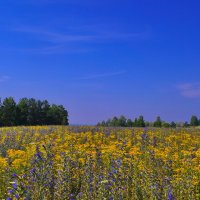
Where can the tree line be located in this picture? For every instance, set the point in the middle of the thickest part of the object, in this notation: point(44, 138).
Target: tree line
point(30, 112)
point(140, 122)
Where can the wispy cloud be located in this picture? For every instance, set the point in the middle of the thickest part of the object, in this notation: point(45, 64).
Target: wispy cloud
point(53, 36)
point(190, 90)
point(48, 50)
point(71, 40)
point(55, 49)
point(4, 78)
point(103, 75)
point(56, 37)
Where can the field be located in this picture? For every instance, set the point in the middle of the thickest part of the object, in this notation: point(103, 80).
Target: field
point(99, 163)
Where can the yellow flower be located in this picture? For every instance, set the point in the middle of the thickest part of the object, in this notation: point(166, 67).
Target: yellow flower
point(17, 163)
point(3, 163)
point(16, 153)
point(134, 150)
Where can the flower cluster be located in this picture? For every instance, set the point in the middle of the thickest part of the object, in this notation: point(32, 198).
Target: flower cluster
point(99, 163)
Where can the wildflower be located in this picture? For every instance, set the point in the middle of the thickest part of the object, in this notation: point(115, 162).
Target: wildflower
point(10, 191)
point(14, 175)
point(169, 194)
point(14, 185)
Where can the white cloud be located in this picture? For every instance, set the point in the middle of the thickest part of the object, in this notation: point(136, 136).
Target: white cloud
point(190, 90)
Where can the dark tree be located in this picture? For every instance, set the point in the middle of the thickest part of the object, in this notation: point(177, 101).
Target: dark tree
point(158, 122)
point(114, 122)
point(140, 122)
point(194, 121)
point(129, 123)
point(108, 122)
point(165, 125)
point(186, 124)
point(122, 121)
point(22, 111)
point(135, 123)
point(173, 124)
point(8, 112)
point(103, 123)
point(57, 115)
point(31, 112)
point(44, 110)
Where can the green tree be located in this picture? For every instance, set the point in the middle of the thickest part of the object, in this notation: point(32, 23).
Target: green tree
point(22, 111)
point(31, 112)
point(165, 125)
point(194, 121)
point(140, 122)
point(32, 117)
point(186, 124)
point(8, 112)
point(108, 122)
point(129, 123)
point(57, 115)
point(173, 124)
point(64, 115)
point(135, 123)
point(122, 121)
point(158, 122)
point(147, 124)
point(44, 110)
point(41, 112)
point(114, 122)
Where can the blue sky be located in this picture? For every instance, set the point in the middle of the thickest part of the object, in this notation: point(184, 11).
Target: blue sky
point(103, 58)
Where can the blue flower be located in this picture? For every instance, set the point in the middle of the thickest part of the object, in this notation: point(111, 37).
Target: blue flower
point(170, 195)
point(14, 175)
point(14, 185)
point(10, 191)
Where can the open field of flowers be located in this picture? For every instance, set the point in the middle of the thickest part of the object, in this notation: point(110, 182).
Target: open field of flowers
point(47, 163)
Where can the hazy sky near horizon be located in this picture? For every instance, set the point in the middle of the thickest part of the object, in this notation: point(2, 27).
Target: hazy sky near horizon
point(103, 58)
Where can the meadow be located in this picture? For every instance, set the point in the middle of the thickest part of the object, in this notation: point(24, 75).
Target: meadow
point(58, 162)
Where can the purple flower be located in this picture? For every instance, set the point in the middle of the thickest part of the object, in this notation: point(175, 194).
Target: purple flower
point(170, 195)
point(33, 171)
point(14, 185)
point(10, 192)
point(38, 155)
point(80, 194)
point(14, 175)
point(144, 136)
point(24, 176)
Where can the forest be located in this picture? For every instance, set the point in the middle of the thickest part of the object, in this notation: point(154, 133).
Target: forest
point(30, 112)
point(140, 122)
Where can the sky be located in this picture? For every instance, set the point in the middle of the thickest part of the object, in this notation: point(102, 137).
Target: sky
point(103, 58)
